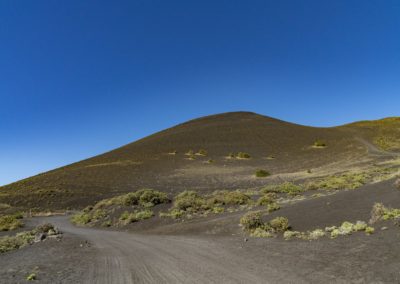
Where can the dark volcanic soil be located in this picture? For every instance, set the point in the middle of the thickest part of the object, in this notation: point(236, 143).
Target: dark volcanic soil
point(200, 252)
point(147, 164)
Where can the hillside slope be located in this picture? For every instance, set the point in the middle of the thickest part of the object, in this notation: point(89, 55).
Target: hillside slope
point(161, 161)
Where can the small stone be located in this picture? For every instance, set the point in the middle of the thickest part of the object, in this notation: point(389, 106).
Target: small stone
point(245, 239)
point(384, 228)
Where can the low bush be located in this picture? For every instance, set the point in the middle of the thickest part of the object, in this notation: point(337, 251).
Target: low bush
point(369, 230)
point(31, 277)
point(380, 212)
point(81, 218)
point(9, 243)
point(273, 207)
point(287, 235)
point(319, 143)
point(11, 222)
point(261, 233)
point(262, 173)
point(347, 228)
point(316, 234)
point(190, 201)
point(243, 155)
point(251, 220)
point(337, 182)
point(279, 224)
point(130, 217)
point(266, 199)
point(286, 187)
point(226, 197)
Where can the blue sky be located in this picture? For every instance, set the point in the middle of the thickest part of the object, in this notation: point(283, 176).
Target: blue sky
point(78, 78)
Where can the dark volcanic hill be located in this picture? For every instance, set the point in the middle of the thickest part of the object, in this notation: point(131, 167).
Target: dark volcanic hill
point(160, 161)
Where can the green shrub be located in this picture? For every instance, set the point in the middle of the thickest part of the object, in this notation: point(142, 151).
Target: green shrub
point(124, 216)
point(262, 173)
point(20, 240)
point(218, 210)
point(31, 277)
point(81, 218)
point(243, 155)
point(319, 143)
point(286, 187)
point(380, 212)
point(130, 217)
point(316, 234)
point(369, 230)
point(145, 214)
point(344, 181)
point(360, 226)
point(279, 224)
point(143, 197)
point(287, 235)
point(273, 207)
point(174, 213)
point(226, 197)
point(261, 233)
point(189, 201)
point(10, 222)
point(251, 220)
point(99, 214)
point(266, 199)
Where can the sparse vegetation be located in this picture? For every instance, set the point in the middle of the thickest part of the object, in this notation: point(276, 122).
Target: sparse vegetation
point(8, 243)
point(262, 173)
point(81, 218)
point(273, 207)
point(337, 182)
point(202, 152)
point(266, 199)
point(243, 155)
point(287, 187)
point(226, 197)
point(11, 222)
point(251, 220)
point(380, 212)
point(189, 153)
point(189, 203)
point(136, 204)
point(31, 277)
point(319, 144)
point(130, 217)
point(279, 224)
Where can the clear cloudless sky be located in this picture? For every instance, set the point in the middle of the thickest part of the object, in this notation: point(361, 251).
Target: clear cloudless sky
point(78, 78)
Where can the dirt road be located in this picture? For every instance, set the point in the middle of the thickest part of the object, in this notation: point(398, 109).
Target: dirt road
point(131, 258)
